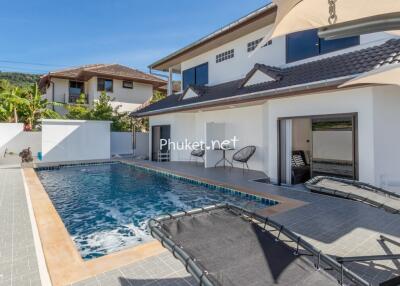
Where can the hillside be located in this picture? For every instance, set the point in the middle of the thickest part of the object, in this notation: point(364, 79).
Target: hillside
point(19, 79)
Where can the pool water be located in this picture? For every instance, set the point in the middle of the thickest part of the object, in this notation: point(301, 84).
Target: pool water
point(106, 207)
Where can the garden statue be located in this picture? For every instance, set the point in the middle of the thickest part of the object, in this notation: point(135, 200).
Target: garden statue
point(26, 155)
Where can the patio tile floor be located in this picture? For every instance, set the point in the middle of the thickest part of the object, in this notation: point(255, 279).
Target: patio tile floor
point(18, 263)
point(337, 226)
point(163, 270)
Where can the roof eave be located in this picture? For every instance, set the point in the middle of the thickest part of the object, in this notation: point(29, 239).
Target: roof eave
point(268, 9)
point(297, 90)
point(85, 76)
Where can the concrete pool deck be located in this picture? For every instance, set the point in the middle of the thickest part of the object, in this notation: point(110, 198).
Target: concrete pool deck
point(18, 259)
point(337, 226)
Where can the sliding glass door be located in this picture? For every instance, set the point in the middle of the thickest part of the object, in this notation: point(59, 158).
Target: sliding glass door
point(310, 146)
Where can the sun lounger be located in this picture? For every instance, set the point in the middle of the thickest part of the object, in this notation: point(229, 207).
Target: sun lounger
point(225, 245)
point(355, 190)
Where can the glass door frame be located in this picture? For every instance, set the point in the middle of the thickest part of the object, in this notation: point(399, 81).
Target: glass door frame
point(154, 153)
point(354, 118)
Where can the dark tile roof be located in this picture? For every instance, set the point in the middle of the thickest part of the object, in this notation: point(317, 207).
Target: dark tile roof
point(274, 72)
point(343, 65)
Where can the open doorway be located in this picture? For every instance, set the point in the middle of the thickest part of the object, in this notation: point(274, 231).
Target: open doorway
point(317, 146)
point(158, 152)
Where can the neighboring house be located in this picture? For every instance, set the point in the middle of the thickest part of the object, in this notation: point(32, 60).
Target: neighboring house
point(284, 98)
point(129, 88)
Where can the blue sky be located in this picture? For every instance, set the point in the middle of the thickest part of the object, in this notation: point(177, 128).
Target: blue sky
point(54, 34)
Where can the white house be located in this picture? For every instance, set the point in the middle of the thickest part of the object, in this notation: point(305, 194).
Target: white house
point(129, 88)
point(284, 99)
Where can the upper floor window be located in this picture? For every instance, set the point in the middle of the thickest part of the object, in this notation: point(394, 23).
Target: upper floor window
point(76, 87)
point(127, 84)
point(251, 46)
point(104, 84)
point(306, 44)
point(225, 56)
point(195, 76)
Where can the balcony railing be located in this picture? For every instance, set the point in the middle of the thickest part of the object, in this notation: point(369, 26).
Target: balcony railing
point(74, 95)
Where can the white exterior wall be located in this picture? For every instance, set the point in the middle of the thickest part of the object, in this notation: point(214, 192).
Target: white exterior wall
point(386, 116)
point(182, 127)
point(244, 123)
point(243, 61)
point(61, 91)
point(75, 140)
point(128, 99)
point(378, 128)
point(343, 101)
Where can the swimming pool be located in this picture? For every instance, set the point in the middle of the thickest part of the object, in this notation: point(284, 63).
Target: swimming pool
point(105, 207)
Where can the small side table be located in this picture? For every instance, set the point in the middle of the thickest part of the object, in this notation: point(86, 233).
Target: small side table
point(223, 160)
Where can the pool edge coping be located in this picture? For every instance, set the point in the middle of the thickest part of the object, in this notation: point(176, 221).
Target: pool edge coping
point(284, 203)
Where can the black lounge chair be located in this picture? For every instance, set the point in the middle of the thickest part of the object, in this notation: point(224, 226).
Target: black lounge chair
point(300, 168)
point(244, 155)
point(356, 190)
point(224, 245)
point(198, 153)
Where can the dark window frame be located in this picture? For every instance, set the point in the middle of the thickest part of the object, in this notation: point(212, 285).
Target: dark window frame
point(252, 45)
point(103, 88)
point(227, 55)
point(319, 44)
point(72, 96)
point(77, 81)
point(129, 82)
point(195, 77)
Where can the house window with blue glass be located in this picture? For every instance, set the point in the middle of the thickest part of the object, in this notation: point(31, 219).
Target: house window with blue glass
point(306, 44)
point(197, 75)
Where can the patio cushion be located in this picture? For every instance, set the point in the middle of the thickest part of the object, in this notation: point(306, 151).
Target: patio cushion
point(298, 160)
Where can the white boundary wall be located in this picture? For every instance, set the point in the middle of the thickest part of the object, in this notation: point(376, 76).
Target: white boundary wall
point(142, 144)
point(8, 133)
point(75, 140)
point(121, 143)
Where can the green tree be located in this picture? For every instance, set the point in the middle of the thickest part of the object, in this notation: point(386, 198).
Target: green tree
point(5, 85)
point(142, 124)
point(34, 107)
point(10, 100)
point(19, 79)
point(78, 110)
point(102, 108)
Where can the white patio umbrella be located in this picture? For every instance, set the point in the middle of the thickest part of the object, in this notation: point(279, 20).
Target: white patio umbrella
point(387, 74)
point(300, 15)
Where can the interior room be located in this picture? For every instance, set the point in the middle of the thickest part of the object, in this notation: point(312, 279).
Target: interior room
point(317, 146)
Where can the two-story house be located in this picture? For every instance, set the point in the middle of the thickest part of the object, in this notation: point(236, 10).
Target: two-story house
point(286, 99)
point(129, 88)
